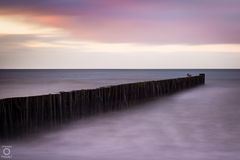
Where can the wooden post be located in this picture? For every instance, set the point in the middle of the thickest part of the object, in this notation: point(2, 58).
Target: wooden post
point(25, 114)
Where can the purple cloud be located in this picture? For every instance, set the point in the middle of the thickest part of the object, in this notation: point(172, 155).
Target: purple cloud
point(149, 21)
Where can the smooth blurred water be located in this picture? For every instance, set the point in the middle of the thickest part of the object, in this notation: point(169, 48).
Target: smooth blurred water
point(17, 83)
point(201, 123)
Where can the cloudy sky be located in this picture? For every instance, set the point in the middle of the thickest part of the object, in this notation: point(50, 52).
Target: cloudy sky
point(119, 34)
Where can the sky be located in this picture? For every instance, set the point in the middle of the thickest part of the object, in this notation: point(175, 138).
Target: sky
point(119, 34)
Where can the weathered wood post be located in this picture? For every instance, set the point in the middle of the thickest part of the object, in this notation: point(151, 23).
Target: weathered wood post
point(23, 115)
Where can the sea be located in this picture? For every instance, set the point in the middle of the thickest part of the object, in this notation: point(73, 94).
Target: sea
point(202, 123)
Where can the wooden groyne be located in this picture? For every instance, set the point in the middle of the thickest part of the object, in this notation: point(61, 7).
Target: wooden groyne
point(23, 115)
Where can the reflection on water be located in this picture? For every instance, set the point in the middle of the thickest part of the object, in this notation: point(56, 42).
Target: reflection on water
point(200, 123)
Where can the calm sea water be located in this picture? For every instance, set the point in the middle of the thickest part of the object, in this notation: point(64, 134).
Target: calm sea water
point(197, 124)
point(17, 83)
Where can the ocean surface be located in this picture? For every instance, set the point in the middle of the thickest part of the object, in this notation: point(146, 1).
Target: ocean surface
point(201, 123)
point(17, 83)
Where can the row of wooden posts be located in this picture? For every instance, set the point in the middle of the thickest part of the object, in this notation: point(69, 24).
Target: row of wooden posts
point(22, 115)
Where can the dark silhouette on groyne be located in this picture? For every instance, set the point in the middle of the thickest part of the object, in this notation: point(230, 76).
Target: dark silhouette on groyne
point(22, 115)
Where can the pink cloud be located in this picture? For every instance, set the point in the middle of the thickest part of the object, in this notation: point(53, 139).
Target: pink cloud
point(136, 21)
